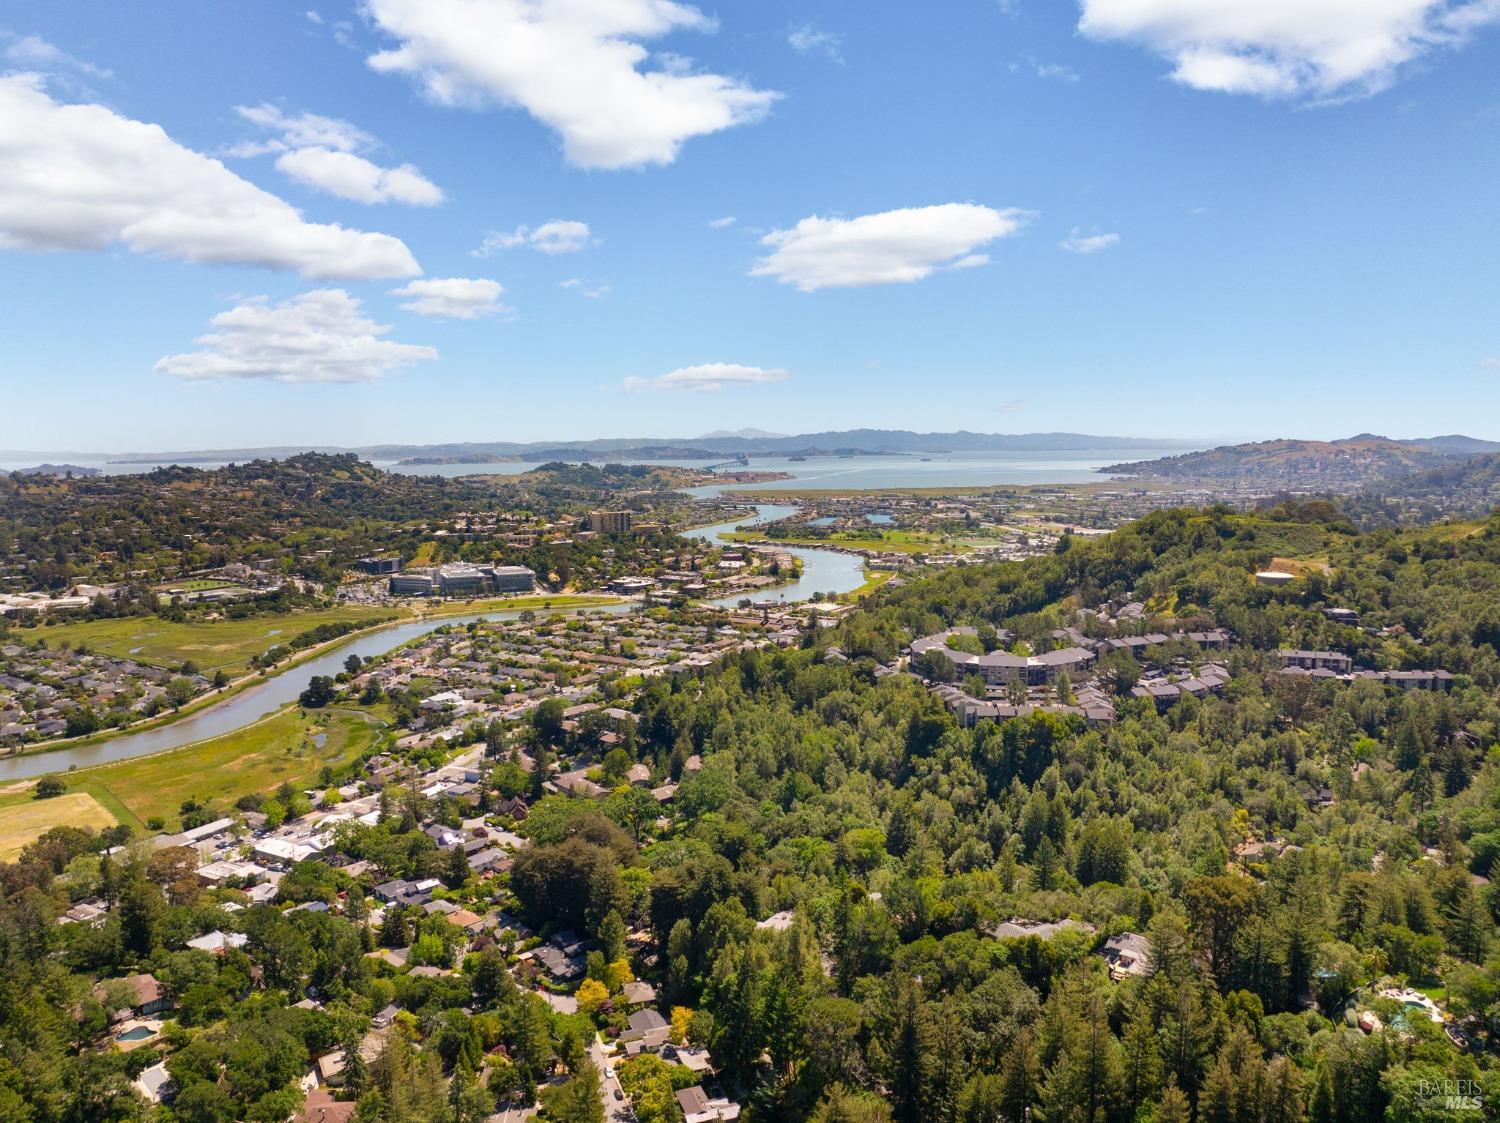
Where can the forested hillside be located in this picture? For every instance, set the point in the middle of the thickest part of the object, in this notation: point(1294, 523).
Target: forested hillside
point(1344, 465)
point(1262, 906)
point(1463, 489)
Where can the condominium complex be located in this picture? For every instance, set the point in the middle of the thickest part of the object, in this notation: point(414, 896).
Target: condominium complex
point(609, 522)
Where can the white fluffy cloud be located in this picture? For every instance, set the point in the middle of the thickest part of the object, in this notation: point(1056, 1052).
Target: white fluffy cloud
point(82, 177)
point(1078, 241)
point(323, 153)
point(1320, 49)
point(456, 298)
point(353, 177)
point(305, 130)
point(705, 377)
point(574, 65)
point(320, 336)
point(723, 223)
point(555, 237)
point(887, 248)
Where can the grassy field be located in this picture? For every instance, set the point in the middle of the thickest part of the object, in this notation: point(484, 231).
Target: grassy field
point(556, 602)
point(257, 758)
point(22, 818)
point(874, 578)
point(1301, 567)
point(218, 645)
point(891, 541)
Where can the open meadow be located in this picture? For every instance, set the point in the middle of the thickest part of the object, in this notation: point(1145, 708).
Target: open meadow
point(291, 745)
point(226, 645)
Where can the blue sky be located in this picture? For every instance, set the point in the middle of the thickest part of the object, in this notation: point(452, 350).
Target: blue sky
point(1226, 219)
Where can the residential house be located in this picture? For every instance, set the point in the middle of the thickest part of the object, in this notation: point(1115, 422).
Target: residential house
point(648, 1027)
point(697, 1107)
point(1127, 954)
point(321, 1107)
point(143, 994)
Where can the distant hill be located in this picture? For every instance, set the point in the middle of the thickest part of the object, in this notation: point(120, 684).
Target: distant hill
point(1346, 465)
point(646, 448)
point(56, 470)
point(1468, 487)
point(726, 434)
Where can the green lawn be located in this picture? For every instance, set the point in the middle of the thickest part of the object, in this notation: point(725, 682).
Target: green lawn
point(541, 603)
point(257, 758)
point(220, 644)
point(874, 578)
point(890, 541)
point(198, 585)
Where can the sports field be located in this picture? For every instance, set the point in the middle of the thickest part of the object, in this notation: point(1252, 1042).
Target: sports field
point(23, 819)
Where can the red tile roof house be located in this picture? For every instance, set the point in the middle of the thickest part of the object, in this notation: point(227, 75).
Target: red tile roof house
point(321, 1107)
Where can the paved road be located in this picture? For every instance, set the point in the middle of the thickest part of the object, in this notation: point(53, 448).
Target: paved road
point(615, 1110)
point(514, 1115)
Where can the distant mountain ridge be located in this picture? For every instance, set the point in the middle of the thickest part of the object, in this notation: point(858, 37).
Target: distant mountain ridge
point(749, 442)
point(1350, 464)
point(721, 434)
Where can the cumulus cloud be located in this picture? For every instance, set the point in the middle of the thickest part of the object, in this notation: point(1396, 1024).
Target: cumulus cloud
point(1319, 49)
point(1078, 241)
point(705, 377)
point(722, 223)
point(305, 130)
point(555, 237)
point(584, 289)
point(808, 39)
point(320, 336)
point(355, 178)
point(323, 153)
point(887, 248)
point(577, 67)
point(455, 298)
point(82, 177)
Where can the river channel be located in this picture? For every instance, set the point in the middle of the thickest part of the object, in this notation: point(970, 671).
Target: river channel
point(823, 571)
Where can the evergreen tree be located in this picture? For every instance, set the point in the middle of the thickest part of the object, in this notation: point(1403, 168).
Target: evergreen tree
point(909, 1052)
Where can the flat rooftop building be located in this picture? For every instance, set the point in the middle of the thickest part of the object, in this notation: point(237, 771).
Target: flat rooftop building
point(609, 522)
point(411, 585)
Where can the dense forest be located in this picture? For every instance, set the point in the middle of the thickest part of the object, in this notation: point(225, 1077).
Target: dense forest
point(311, 515)
point(1302, 863)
